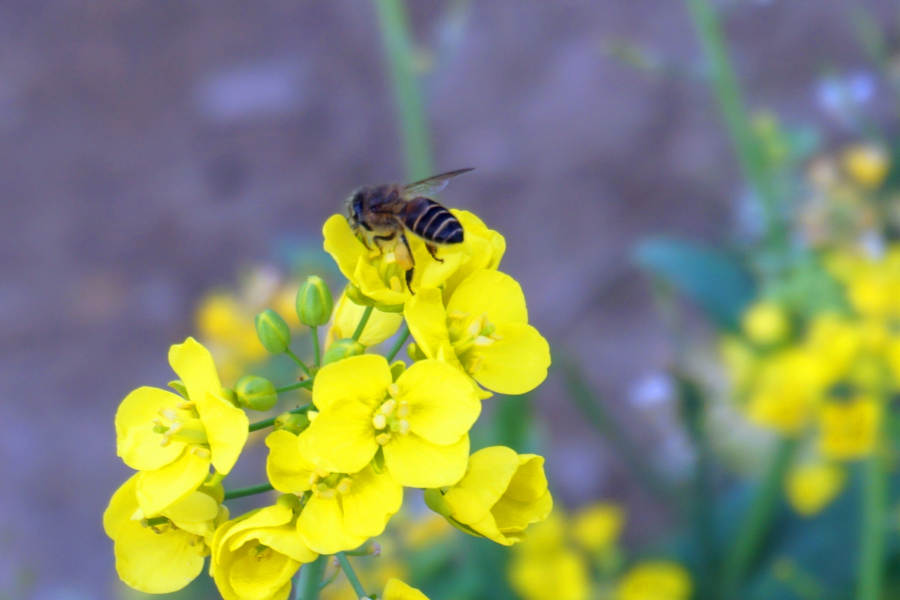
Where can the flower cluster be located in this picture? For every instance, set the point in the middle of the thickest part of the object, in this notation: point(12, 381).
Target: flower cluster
point(824, 379)
point(374, 426)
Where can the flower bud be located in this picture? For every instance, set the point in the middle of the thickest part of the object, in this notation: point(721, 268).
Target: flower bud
point(289, 501)
point(255, 393)
point(179, 387)
point(314, 302)
point(295, 423)
point(229, 395)
point(273, 332)
point(342, 349)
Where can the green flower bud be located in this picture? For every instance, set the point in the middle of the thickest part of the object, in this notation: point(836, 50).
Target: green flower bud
point(178, 386)
point(290, 501)
point(293, 422)
point(272, 331)
point(357, 297)
point(229, 395)
point(213, 490)
point(314, 302)
point(342, 349)
point(255, 393)
point(397, 369)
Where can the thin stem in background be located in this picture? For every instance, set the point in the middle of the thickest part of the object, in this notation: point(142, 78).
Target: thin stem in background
point(351, 575)
point(314, 334)
point(249, 491)
point(398, 343)
point(307, 583)
point(757, 521)
point(731, 105)
point(362, 323)
point(873, 534)
point(271, 421)
point(398, 45)
point(306, 383)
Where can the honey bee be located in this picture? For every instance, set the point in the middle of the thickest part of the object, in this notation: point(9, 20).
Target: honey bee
point(382, 214)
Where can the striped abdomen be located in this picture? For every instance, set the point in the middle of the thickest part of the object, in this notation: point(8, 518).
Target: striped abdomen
point(432, 222)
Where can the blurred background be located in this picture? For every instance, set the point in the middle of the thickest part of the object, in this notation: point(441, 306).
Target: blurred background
point(153, 152)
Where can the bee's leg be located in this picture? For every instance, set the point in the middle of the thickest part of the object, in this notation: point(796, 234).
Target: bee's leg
point(432, 250)
point(383, 238)
point(411, 270)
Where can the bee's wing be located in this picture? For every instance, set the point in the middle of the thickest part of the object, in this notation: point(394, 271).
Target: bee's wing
point(434, 184)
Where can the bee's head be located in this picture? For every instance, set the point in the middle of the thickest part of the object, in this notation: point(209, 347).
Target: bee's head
point(354, 208)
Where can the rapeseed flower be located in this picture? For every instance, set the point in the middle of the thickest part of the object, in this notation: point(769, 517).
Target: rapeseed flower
point(397, 590)
point(343, 511)
point(811, 487)
point(419, 425)
point(766, 323)
point(868, 164)
point(655, 580)
point(597, 528)
point(483, 249)
point(787, 388)
point(483, 330)
point(543, 567)
point(158, 553)
point(347, 314)
point(172, 440)
point(501, 494)
point(849, 430)
point(255, 556)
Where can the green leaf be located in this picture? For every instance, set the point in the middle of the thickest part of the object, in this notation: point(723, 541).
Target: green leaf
point(718, 282)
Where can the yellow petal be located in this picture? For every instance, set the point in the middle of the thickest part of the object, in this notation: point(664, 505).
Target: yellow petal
point(155, 563)
point(196, 508)
point(364, 379)
point(245, 530)
point(442, 403)
point(483, 249)
point(491, 292)
point(513, 516)
point(287, 468)
point(397, 590)
point(487, 478)
point(487, 526)
point(372, 285)
point(343, 246)
point(380, 326)
point(812, 487)
point(342, 438)
point(372, 500)
point(415, 462)
point(159, 489)
point(136, 442)
point(597, 527)
point(529, 483)
point(226, 429)
point(427, 321)
point(562, 575)
point(121, 507)
point(195, 367)
point(286, 540)
point(321, 525)
point(254, 579)
point(515, 364)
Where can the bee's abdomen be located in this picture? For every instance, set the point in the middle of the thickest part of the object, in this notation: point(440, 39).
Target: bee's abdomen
point(432, 222)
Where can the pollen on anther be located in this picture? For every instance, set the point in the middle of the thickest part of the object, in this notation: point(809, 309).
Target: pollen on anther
point(201, 452)
point(458, 314)
point(394, 390)
point(390, 258)
point(382, 438)
point(379, 421)
point(403, 409)
point(344, 486)
point(168, 414)
point(404, 426)
point(483, 341)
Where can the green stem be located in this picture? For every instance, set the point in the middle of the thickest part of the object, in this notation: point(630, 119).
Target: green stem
point(307, 583)
point(299, 362)
point(306, 383)
point(731, 105)
point(271, 421)
point(757, 521)
point(351, 575)
point(314, 332)
point(401, 339)
point(398, 46)
point(362, 323)
point(874, 518)
point(249, 491)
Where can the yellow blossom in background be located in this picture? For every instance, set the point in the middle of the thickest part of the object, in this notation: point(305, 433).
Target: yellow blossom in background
point(347, 315)
point(223, 325)
point(788, 386)
point(255, 556)
point(173, 441)
point(766, 323)
point(867, 164)
point(560, 575)
point(163, 552)
point(812, 487)
point(420, 423)
point(655, 580)
point(597, 528)
point(849, 429)
point(741, 362)
point(501, 494)
point(343, 510)
point(397, 590)
point(834, 342)
point(483, 330)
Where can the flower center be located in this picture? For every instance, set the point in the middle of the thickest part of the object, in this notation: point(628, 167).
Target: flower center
point(391, 417)
point(260, 552)
point(392, 267)
point(326, 485)
point(469, 337)
point(181, 425)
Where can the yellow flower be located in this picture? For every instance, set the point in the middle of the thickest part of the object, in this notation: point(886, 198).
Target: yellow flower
point(255, 555)
point(420, 423)
point(789, 385)
point(812, 487)
point(501, 494)
point(867, 164)
point(228, 329)
point(655, 580)
point(766, 323)
point(834, 343)
point(484, 331)
point(173, 441)
point(165, 552)
point(347, 315)
point(397, 590)
point(382, 276)
point(344, 510)
point(849, 430)
point(597, 527)
point(549, 572)
point(483, 249)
